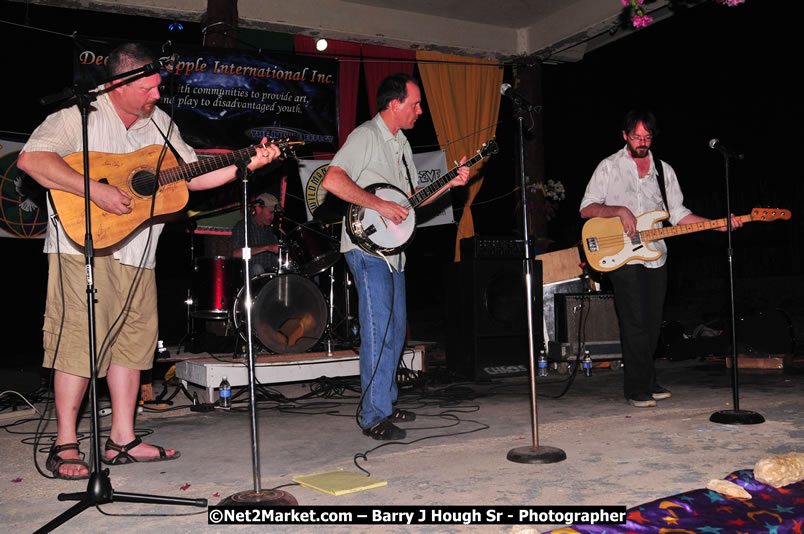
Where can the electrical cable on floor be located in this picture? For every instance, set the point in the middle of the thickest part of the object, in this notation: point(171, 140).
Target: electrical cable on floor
point(446, 414)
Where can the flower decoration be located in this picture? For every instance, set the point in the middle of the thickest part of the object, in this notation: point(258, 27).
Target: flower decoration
point(639, 19)
point(553, 192)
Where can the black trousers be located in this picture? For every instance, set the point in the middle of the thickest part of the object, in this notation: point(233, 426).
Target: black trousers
point(639, 299)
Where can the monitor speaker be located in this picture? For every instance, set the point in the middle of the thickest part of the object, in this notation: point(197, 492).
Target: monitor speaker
point(488, 333)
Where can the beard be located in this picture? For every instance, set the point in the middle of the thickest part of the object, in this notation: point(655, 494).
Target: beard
point(146, 110)
point(640, 151)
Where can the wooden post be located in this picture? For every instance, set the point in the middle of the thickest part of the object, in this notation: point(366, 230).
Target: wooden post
point(528, 83)
point(220, 24)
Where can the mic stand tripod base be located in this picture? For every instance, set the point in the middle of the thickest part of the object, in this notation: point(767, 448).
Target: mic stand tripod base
point(536, 455)
point(265, 497)
point(737, 417)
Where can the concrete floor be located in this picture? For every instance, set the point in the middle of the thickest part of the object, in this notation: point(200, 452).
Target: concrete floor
point(455, 453)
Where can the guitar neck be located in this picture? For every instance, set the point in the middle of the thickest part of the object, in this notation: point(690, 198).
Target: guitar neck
point(430, 190)
point(681, 229)
point(203, 166)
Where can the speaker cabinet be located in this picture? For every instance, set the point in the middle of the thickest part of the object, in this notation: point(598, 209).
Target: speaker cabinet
point(587, 319)
point(487, 335)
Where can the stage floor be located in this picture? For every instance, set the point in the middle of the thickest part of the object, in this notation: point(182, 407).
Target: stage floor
point(454, 454)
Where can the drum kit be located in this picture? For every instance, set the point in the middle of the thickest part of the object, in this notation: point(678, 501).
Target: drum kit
point(290, 313)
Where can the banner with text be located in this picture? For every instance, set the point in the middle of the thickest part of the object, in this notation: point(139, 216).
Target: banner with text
point(227, 98)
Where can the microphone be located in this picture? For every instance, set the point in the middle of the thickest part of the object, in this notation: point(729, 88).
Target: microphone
point(715, 144)
point(170, 61)
point(147, 70)
point(508, 91)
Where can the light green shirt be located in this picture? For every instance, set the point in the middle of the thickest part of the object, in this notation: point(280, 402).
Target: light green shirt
point(373, 155)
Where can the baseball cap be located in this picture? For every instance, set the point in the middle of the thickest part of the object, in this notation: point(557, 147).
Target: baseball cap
point(266, 200)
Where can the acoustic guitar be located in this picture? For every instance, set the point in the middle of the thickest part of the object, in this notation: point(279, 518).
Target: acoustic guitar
point(135, 175)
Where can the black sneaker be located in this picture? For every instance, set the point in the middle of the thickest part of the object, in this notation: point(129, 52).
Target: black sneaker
point(641, 400)
point(660, 393)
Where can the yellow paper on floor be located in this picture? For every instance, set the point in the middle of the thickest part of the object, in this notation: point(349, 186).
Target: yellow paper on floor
point(339, 482)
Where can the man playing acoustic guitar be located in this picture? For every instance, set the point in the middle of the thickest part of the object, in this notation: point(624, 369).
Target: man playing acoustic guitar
point(123, 119)
point(626, 185)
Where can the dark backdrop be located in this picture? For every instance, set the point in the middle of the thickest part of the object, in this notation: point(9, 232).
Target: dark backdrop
point(709, 72)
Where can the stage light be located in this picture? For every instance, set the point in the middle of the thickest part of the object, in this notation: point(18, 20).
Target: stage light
point(175, 26)
point(321, 45)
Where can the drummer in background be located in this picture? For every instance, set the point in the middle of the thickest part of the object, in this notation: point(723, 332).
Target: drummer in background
point(263, 242)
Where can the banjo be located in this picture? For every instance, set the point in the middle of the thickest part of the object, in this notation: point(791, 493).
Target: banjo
point(380, 236)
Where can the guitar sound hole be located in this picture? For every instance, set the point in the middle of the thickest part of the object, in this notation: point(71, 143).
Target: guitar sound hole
point(144, 183)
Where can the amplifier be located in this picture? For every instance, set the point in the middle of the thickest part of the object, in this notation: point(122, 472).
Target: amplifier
point(587, 319)
point(492, 247)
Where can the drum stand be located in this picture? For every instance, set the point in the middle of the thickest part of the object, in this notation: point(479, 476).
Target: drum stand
point(257, 495)
point(331, 338)
point(187, 340)
point(329, 332)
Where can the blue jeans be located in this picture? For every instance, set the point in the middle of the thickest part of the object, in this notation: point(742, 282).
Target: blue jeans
point(383, 327)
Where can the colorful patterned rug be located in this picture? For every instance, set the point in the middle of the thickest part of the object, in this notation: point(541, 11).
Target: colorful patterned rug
point(769, 511)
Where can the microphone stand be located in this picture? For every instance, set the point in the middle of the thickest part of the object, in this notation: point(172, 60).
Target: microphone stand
point(535, 453)
point(99, 488)
point(257, 496)
point(735, 416)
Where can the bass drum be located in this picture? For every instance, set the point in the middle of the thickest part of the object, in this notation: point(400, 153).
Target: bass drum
point(289, 312)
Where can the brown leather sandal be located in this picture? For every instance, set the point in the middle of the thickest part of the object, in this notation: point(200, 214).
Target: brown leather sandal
point(123, 457)
point(54, 461)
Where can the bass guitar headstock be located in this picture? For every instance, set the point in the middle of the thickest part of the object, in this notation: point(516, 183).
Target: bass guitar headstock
point(770, 214)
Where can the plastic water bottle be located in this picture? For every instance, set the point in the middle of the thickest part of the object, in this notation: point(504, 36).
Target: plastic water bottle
point(587, 363)
point(226, 394)
point(542, 363)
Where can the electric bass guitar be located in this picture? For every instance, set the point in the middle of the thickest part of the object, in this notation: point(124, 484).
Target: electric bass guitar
point(608, 247)
point(135, 175)
point(380, 236)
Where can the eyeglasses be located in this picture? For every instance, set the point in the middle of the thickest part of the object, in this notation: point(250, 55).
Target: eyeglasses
point(640, 138)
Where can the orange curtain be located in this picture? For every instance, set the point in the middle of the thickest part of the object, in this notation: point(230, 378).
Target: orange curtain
point(464, 99)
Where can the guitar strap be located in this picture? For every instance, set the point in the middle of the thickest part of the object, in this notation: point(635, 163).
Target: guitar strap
point(170, 145)
point(407, 170)
point(660, 178)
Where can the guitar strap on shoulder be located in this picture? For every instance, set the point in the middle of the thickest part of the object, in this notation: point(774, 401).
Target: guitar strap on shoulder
point(407, 170)
point(660, 178)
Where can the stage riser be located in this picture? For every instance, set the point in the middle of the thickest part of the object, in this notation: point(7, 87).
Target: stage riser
point(208, 372)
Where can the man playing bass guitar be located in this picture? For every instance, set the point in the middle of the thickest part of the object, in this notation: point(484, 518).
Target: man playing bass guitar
point(626, 185)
